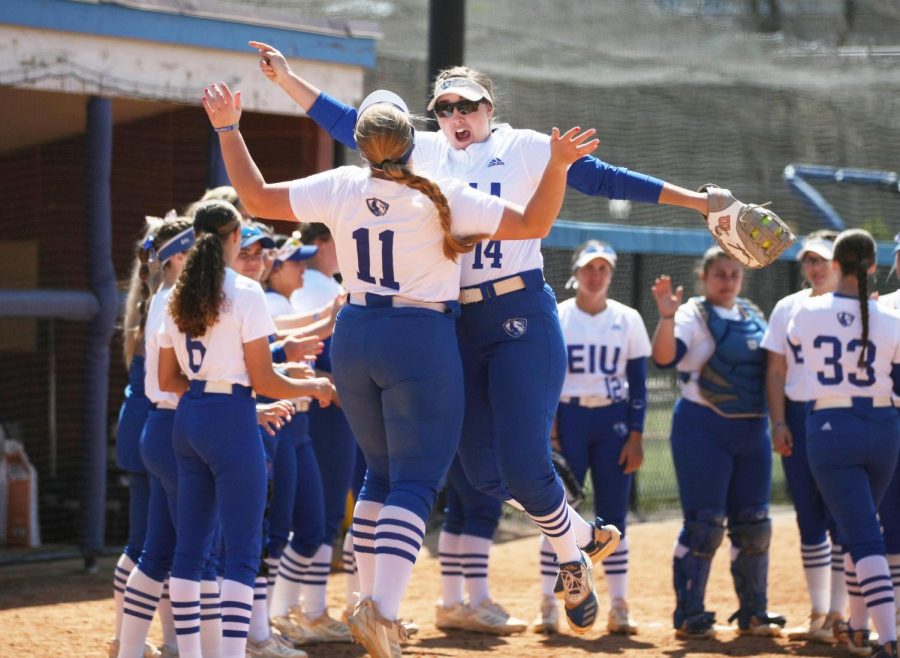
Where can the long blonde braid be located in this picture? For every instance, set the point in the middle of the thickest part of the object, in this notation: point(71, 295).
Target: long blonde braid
point(384, 134)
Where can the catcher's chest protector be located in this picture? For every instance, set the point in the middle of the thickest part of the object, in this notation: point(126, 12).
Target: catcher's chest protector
point(733, 380)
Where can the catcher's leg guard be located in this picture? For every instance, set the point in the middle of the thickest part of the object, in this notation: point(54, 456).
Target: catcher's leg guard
point(751, 567)
point(702, 535)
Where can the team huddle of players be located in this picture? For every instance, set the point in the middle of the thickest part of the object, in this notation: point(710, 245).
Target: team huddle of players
point(418, 358)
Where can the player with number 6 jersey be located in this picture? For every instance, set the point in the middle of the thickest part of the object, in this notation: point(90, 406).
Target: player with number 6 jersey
point(214, 352)
point(848, 346)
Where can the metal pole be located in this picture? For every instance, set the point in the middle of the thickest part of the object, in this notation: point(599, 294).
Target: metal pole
point(446, 38)
point(51, 395)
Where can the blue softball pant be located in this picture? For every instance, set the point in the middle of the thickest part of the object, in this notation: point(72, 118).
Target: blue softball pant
point(853, 456)
point(335, 449)
point(813, 519)
point(467, 510)
point(593, 439)
point(297, 501)
point(723, 465)
point(221, 469)
point(132, 416)
point(889, 512)
point(514, 360)
point(400, 379)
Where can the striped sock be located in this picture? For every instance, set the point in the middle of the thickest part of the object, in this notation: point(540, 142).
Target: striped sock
point(615, 567)
point(894, 565)
point(474, 554)
point(351, 580)
point(312, 588)
point(584, 531)
point(237, 604)
point(838, 581)
point(271, 573)
point(165, 618)
point(120, 578)
point(549, 567)
point(451, 568)
point(398, 538)
point(365, 514)
point(210, 619)
point(141, 598)
point(817, 569)
point(859, 615)
point(259, 616)
point(557, 528)
point(878, 592)
point(291, 573)
point(185, 596)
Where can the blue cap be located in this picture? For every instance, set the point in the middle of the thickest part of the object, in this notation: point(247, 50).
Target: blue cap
point(251, 235)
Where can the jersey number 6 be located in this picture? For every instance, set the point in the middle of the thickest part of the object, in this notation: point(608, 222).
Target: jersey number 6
point(196, 353)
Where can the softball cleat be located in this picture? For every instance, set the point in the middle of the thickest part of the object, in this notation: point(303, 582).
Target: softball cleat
point(379, 636)
point(490, 617)
point(547, 621)
point(578, 594)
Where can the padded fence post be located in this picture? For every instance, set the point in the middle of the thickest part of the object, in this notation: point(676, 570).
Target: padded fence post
point(102, 277)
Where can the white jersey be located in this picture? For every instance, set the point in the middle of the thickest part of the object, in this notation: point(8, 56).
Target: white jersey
point(691, 329)
point(278, 304)
point(599, 348)
point(775, 340)
point(828, 329)
point(509, 164)
point(317, 291)
point(388, 236)
point(156, 316)
point(891, 300)
point(218, 355)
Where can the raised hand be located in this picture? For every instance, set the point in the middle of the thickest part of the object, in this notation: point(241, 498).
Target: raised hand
point(271, 62)
point(571, 145)
point(222, 107)
point(666, 301)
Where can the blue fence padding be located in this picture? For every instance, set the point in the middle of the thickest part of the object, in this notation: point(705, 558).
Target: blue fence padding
point(107, 19)
point(102, 277)
point(625, 239)
point(48, 304)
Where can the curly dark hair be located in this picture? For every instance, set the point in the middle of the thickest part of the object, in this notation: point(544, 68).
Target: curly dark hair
point(198, 295)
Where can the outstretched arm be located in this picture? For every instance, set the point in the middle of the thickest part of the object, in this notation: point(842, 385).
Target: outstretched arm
point(336, 118)
point(260, 198)
point(536, 219)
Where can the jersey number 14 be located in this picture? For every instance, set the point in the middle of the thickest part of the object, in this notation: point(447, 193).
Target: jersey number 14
point(491, 251)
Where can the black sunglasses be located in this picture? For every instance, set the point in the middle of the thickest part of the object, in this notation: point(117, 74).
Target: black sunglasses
point(445, 109)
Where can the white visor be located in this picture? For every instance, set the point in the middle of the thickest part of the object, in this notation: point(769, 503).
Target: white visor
point(382, 96)
point(468, 89)
point(818, 246)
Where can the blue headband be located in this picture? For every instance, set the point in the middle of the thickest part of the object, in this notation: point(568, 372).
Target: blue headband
point(179, 244)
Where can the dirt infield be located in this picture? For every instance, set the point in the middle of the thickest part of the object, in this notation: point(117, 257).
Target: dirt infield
point(53, 610)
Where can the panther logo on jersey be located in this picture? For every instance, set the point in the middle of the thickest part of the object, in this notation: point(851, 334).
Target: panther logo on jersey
point(376, 206)
point(846, 319)
point(516, 327)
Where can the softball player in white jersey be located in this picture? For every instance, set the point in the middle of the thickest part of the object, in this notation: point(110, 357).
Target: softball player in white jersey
point(214, 351)
point(600, 419)
point(889, 512)
point(395, 355)
point(849, 348)
point(785, 390)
